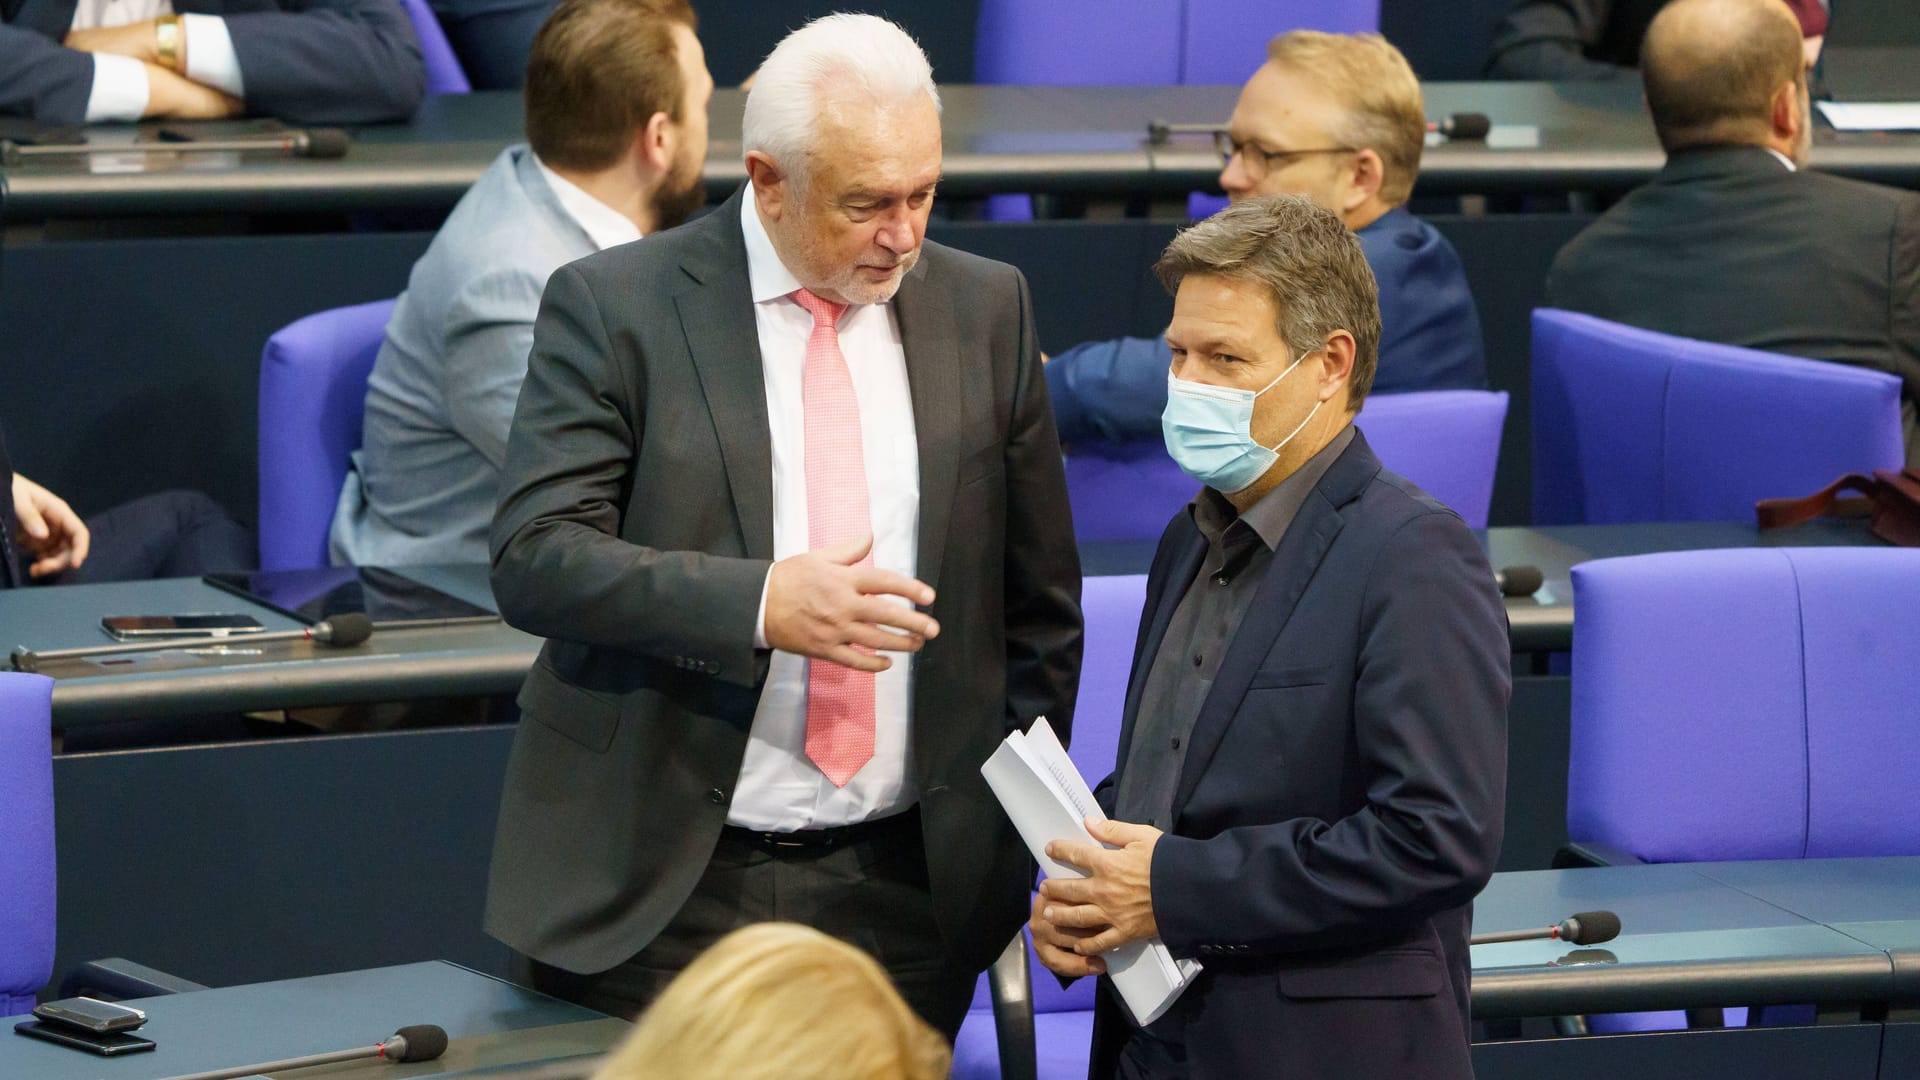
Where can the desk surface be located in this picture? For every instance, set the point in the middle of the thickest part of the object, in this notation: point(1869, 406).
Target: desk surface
point(1873, 900)
point(1686, 939)
point(1546, 138)
point(392, 665)
point(489, 1023)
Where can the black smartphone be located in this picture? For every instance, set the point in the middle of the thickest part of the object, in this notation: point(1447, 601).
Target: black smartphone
point(133, 627)
point(106, 1044)
point(90, 1014)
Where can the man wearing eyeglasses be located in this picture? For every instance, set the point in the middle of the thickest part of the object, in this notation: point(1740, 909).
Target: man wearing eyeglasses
point(1337, 118)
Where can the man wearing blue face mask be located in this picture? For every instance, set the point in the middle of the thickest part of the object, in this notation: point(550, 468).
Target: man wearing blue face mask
point(1311, 776)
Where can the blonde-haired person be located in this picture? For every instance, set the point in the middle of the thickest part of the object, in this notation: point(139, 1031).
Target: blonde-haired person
point(784, 1002)
point(1339, 119)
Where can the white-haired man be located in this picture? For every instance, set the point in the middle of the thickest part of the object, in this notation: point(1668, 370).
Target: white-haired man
point(759, 463)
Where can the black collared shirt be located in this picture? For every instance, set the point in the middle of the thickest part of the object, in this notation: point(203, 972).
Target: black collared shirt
point(1240, 548)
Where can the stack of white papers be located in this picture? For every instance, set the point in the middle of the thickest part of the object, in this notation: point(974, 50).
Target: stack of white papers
point(1049, 800)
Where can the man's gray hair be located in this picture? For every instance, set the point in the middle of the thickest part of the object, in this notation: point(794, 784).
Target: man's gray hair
point(1308, 260)
point(841, 54)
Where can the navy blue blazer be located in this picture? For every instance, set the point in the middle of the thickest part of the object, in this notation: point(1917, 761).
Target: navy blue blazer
point(1342, 795)
point(303, 61)
point(10, 572)
point(1429, 340)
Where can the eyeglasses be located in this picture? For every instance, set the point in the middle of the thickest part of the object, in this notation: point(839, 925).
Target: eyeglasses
point(1257, 162)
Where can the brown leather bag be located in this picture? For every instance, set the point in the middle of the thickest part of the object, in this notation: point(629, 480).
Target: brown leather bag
point(1891, 499)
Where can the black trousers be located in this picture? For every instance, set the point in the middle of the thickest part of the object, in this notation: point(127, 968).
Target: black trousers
point(871, 892)
point(166, 534)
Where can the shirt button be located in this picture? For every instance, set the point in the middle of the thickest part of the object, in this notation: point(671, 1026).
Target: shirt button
point(1220, 579)
point(1198, 660)
point(1176, 742)
point(717, 797)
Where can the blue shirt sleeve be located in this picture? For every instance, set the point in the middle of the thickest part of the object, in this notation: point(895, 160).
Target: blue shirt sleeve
point(1111, 391)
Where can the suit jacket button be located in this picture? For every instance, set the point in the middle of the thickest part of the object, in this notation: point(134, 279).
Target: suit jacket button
point(713, 667)
point(717, 797)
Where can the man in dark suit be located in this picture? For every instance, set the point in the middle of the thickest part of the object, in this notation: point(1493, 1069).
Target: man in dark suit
point(1338, 118)
point(1734, 241)
point(745, 451)
point(302, 61)
point(1575, 40)
point(1311, 773)
point(166, 534)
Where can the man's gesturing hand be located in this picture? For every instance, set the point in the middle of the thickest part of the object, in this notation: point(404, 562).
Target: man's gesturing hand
point(49, 529)
point(822, 604)
point(1116, 898)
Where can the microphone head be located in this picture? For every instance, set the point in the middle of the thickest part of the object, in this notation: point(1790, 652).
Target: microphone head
point(418, 1042)
point(1591, 927)
point(343, 630)
point(1469, 125)
point(327, 143)
point(1521, 580)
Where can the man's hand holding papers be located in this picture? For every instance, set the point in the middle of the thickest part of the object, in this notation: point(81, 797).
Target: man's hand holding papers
point(1115, 900)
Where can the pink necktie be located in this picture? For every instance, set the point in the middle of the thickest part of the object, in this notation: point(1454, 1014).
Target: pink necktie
point(839, 699)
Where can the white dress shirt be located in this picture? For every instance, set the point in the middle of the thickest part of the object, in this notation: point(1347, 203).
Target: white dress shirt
point(1782, 159)
point(780, 790)
point(120, 82)
point(604, 225)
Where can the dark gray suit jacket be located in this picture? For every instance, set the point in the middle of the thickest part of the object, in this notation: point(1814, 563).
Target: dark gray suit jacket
point(636, 529)
point(1727, 245)
point(303, 61)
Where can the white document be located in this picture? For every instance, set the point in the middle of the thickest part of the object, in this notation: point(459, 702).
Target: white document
point(1049, 800)
point(1872, 115)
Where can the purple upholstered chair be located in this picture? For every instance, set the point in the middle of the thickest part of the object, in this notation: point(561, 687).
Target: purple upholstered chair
point(26, 839)
point(444, 74)
point(1446, 441)
point(1630, 425)
point(1226, 40)
point(313, 389)
point(1063, 1019)
point(1745, 704)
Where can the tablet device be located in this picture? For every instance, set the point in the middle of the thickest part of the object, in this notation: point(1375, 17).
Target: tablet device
point(390, 599)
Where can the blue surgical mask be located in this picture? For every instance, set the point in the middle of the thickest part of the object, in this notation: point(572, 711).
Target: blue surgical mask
point(1209, 432)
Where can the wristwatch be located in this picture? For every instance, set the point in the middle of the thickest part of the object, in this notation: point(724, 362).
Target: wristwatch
point(170, 44)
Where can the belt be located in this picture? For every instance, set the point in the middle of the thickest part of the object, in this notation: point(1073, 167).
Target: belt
point(814, 841)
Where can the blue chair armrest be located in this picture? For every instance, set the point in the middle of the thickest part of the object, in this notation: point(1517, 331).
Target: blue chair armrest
point(1011, 986)
point(117, 979)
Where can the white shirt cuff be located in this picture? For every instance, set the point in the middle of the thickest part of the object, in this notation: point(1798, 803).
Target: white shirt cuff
point(119, 89)
point(760, 620)
point(210, 59)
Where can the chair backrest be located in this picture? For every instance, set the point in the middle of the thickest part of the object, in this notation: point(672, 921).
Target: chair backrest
point(1747, 704)
point(444, 73)
point(1631, 425)
point(1445, 441)
point(1078, 42)
point(26, 839)
point(1226, 40)
point(313, 391)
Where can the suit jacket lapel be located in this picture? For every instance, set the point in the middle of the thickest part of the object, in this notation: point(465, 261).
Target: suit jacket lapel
point(716, 315)
point(1182, 554)
point(930, 336)
point(1294, 563)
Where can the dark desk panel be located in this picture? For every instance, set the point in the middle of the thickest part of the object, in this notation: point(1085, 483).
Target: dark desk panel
point(392, 665)
point(488, 1022)
point(1547, 138)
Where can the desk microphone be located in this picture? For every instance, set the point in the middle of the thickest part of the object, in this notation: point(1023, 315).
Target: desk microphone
point(322, 143)
point(339, 631)
point(1462, 125)
point(420, 1042)
point(1586, 928)
point(1519, 580)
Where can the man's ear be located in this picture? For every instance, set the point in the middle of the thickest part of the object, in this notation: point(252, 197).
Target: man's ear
point(655, 142)
point(770, 187)
point(1336, 364)
point(1369, 172)
point(1785, 112)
